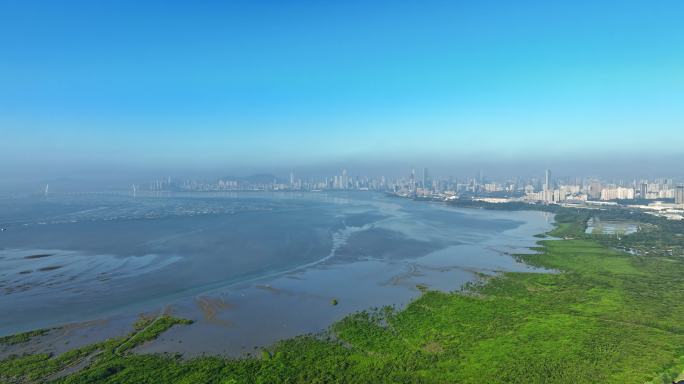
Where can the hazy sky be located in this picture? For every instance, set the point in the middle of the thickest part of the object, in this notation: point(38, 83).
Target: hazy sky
point(211, 84)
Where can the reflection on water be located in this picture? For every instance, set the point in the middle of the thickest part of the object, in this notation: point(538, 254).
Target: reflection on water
point(611, 227)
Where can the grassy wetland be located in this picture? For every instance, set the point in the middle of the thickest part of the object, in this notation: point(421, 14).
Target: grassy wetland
point(604, 315)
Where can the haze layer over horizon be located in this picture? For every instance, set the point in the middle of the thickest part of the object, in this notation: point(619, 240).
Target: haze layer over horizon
point(93, 87)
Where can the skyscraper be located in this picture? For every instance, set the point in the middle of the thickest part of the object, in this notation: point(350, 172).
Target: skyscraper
point(595, 189)
point(426, 178)
point(679, 194)
point(345, 180)
point(547, 184)
point(643, 191)
point(412, 180)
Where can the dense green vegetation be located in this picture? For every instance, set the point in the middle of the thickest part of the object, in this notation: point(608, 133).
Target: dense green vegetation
point(605, 317)
point(43, 367)
point(22, 337)
point(657, 235)
point(147, 330)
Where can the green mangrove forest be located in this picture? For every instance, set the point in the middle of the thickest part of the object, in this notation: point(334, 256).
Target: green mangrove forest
point(611, 310)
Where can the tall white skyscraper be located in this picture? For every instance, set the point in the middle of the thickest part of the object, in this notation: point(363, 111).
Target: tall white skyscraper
point(412, 181)
point(547, 183)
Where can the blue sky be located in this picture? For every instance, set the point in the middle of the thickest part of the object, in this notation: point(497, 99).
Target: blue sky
point(136, 84)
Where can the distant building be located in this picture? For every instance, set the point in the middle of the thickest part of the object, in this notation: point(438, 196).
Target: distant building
point(618, 193)
point(679, 194)
point(595, 189)
point(547, 184)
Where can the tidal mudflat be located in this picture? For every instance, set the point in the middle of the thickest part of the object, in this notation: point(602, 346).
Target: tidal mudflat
point(249, 268)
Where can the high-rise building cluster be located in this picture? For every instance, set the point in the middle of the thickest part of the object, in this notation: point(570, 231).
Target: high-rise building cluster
point(658, 196)
point(552, 191)
point(547, 189)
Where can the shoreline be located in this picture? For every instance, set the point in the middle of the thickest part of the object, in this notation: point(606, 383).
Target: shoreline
point(395, 279)
point(510, 328)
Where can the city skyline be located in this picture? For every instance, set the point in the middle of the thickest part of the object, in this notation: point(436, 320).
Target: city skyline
point(300, 191)
point(657, 196)
point(545, 185)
